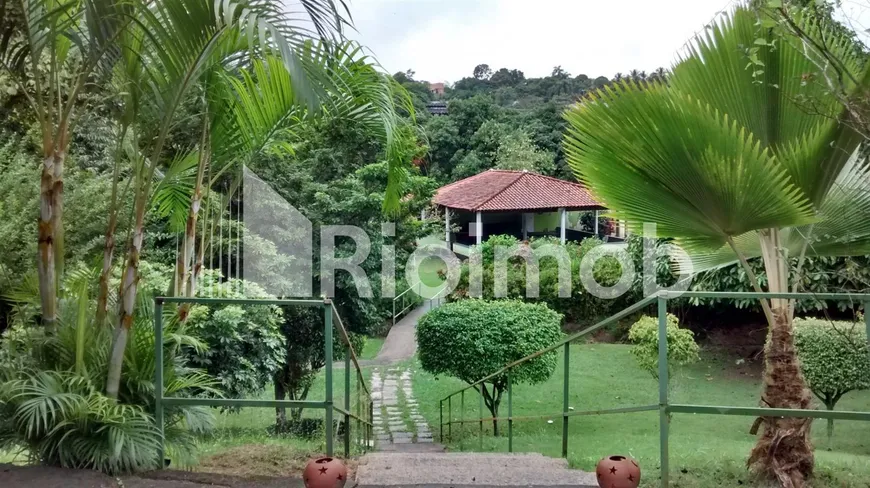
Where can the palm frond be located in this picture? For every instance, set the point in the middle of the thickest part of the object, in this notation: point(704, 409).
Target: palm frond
point(655, 155)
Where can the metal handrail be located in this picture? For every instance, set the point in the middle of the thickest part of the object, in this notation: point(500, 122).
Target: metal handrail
point(405, 308)
point(665, 408)
point(331, 320)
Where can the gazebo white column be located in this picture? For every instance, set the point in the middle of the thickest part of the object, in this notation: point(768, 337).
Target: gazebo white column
point(525, 223)
point(447, 226)
point(479, 228)
point(564, 223)
point(596, 222)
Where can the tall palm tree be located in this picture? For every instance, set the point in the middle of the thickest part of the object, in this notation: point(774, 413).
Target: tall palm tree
point(189, 52)
point(737, 163)
point(50, 49)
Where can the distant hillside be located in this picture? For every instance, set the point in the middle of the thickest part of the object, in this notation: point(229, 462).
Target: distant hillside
point(501, 119)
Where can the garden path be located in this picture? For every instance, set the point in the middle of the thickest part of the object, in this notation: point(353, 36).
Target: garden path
point(398, 425)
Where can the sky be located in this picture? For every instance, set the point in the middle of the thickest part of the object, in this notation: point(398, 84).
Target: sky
point(443, 40)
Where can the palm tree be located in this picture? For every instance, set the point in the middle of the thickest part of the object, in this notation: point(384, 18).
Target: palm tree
point(50, 49)
point(250, 73)
point(738, 163)
point(157, 57)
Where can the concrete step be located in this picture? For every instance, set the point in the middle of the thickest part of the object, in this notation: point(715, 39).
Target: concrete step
point(466, 470)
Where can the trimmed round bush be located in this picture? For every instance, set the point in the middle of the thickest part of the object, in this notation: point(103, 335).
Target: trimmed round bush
point(471, 339)
point(644, 334)
point(835, 359)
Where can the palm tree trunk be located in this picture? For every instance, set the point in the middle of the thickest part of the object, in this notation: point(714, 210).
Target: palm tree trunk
point(50, 233)
point(108, 256)
point(128, 292)
point(185, 274)
point(783, 451)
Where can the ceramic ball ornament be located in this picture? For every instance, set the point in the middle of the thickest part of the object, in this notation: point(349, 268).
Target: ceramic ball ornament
point(325, 472)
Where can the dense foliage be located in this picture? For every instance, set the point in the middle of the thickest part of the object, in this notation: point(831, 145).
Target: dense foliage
point(245, 344)
point(580, 306)
point(835, 359)
point(501, 119)
point(471, 339)
point(51, 400)
point(644, 334)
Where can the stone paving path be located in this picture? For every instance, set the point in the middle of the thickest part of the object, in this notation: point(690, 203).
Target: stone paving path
point(398, 423)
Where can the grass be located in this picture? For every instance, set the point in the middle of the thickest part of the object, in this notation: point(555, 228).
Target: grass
point(705, 451)
point(372, 348)
point(242, 445)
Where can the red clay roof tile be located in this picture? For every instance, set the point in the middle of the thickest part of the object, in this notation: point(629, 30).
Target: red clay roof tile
point(502, 190)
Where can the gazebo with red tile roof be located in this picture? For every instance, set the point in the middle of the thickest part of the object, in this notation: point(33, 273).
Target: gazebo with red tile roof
point(513, 192)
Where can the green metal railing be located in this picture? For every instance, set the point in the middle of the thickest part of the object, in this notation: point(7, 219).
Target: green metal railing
point(664, 407)
point(362, 409)
point(406, 301)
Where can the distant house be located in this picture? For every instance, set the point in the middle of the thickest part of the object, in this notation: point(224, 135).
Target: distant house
point(519, 203)
point(438, 107)
point(436, 88)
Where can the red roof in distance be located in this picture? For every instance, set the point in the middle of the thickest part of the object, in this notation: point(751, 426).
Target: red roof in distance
point(505, 191)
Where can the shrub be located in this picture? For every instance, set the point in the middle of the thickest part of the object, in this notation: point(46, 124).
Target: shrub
point(834, 358)
point(471, 339)
point(245, 343)
point(580, 306)
point(51, 400)
point(682, 348)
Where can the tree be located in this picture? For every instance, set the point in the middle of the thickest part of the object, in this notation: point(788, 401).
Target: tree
point(644, 334)
point(835, 359)
point(49, 51)
point(730, 163)
point(482, 72)
point(472, 339)
point(516, 152)
point(507, 77)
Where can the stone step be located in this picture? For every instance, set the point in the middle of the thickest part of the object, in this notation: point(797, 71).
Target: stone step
point(464, 469)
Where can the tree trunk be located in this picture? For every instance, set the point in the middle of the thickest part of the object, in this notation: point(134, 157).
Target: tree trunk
point(108, 256)
point(50, 223)
point(185, 275)
point(128, 292)
point(280, 412)
point(783, 451)
point(830, 406)
point(492, 402)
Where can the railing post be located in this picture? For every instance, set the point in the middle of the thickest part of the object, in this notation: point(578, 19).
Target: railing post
point(480, 416)
point(867, 322)
point(565, 403)
point(394, 312)
point(371, 427)
point(360, 435)
point(510, 413)
point(664, 423)
point(347, 352)
point(450, 417)
point(327, 355)
point(158, 379)
point(461, 416)
point(441, 419)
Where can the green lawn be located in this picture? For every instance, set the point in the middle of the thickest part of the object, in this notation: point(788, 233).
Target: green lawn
point(372, 348)
point(706, 451)
point(238, 433)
